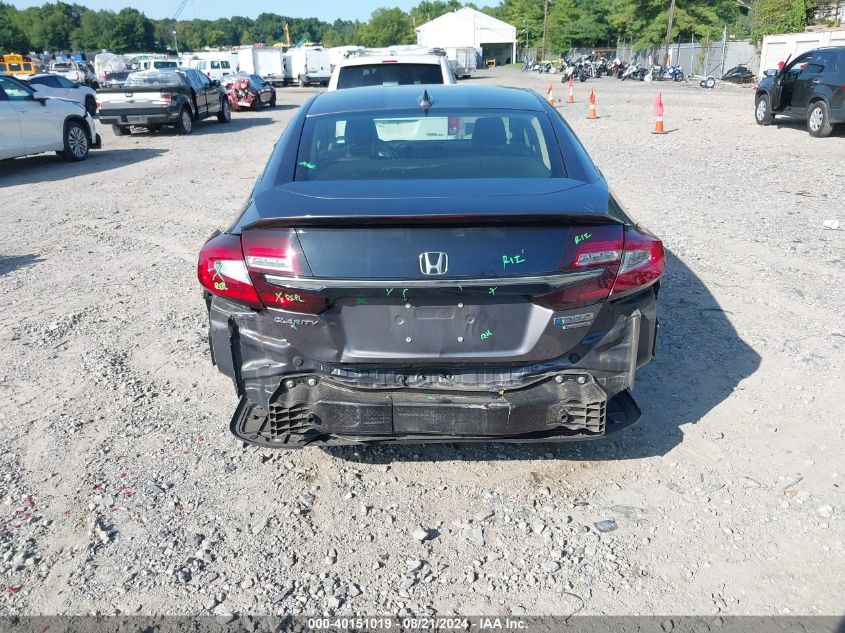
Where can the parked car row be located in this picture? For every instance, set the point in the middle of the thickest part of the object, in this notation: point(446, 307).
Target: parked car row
point(155, 98)
point(32, 123)
point(58, 86)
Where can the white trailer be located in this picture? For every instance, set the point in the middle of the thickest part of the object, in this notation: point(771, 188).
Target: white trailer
point(462, 59)
point(777, 48)
point(267, 63)
point(307, 65)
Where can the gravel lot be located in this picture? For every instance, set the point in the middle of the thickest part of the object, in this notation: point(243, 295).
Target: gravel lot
point(123, 491)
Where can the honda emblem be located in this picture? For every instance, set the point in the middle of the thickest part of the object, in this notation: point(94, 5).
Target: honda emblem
point(434, 263)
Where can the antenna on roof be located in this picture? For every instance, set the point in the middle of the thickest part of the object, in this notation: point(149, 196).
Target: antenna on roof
point(425, 102)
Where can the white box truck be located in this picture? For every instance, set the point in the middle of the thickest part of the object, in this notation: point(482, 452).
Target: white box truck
point(267, 63)
point(462, 60)
point(307, 65)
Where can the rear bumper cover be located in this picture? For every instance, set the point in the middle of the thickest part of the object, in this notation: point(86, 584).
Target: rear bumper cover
point(290, 399)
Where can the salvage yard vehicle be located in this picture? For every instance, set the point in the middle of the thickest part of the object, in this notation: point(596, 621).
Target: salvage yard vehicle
point(266, 62)
point(78, 72)
point(810, 88)
point(372, 69)
point(19, 65)
point(384, 285)
point(307, 65)
point(213, 68)
point(32, 123)
point(58, 86)
point(155, 98)
point(249, 92)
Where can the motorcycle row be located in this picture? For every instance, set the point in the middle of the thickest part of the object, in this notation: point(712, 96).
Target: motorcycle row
point(588, 68)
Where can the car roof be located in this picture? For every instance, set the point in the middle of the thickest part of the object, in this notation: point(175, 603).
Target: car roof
point(363, 60)
point(441, 96)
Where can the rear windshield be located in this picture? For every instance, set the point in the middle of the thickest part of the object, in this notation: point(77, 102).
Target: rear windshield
point(153, 79)
point(14, 67)
point(165, 65)
point(410, 145)
point(389, 74)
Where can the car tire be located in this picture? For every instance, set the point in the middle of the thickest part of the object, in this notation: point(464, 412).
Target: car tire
point(818, 122)
point(255, 106)
point(225, 114)
point(120, 130)
point(763, 110)
point(76, 141)
point(273, 99)
point(185, 123)
point(302, 83)
point(91, 105)
point(710, 82)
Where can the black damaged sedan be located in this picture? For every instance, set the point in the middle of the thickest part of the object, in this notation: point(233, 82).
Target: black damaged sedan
point(420, 264)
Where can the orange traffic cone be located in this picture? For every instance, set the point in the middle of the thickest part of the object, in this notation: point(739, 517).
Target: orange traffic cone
point(570, 98)
point(658, 115)
point(549, 96)
point(591, 111)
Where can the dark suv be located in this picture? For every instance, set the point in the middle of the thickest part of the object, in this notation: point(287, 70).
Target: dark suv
point(811, 87)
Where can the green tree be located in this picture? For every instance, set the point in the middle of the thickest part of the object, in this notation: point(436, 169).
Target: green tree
point(215, 37)
point(428, 10)
point(769, 17)
point(388, 27)
point(12, 38)
point(527, 17)
point(132, 31)
point(645, 21)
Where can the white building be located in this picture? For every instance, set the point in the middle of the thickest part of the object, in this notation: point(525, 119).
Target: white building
point(492, 38)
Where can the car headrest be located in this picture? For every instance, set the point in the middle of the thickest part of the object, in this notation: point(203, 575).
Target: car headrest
point(489, 131)
point(362, 130)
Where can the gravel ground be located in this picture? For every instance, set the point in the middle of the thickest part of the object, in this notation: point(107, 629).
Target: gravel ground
point(123, 491)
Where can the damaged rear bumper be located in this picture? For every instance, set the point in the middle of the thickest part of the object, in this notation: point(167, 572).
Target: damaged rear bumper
point(564, 407)
point(301, 384)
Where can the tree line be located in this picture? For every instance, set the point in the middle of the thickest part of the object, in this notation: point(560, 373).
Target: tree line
point(59, 26)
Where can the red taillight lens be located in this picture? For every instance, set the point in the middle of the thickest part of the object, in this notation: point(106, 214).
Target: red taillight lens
point(454, 122)
point(588, 248)
point(271, 257)
point(643, 263)
point(584, 294)
point(166, 96)
point(630, 261)
point(221, 270)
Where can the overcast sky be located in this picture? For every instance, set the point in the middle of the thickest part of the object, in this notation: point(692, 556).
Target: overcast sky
point(328, 10)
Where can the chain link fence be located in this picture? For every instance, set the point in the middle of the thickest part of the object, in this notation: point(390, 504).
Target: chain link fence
point(709, 59)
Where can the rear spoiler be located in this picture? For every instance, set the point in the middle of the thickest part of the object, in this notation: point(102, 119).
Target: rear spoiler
point(535, 219)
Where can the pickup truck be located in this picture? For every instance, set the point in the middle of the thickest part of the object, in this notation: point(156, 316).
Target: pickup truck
point(154, 98)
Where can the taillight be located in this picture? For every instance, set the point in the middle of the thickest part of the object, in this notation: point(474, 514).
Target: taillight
point(643, 263)
point(454, 122)
point(221, 270)
point(273, 257)
point(629, 261)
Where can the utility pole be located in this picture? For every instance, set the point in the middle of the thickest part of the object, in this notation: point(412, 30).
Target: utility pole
point(545, 18)
point(669, 34)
